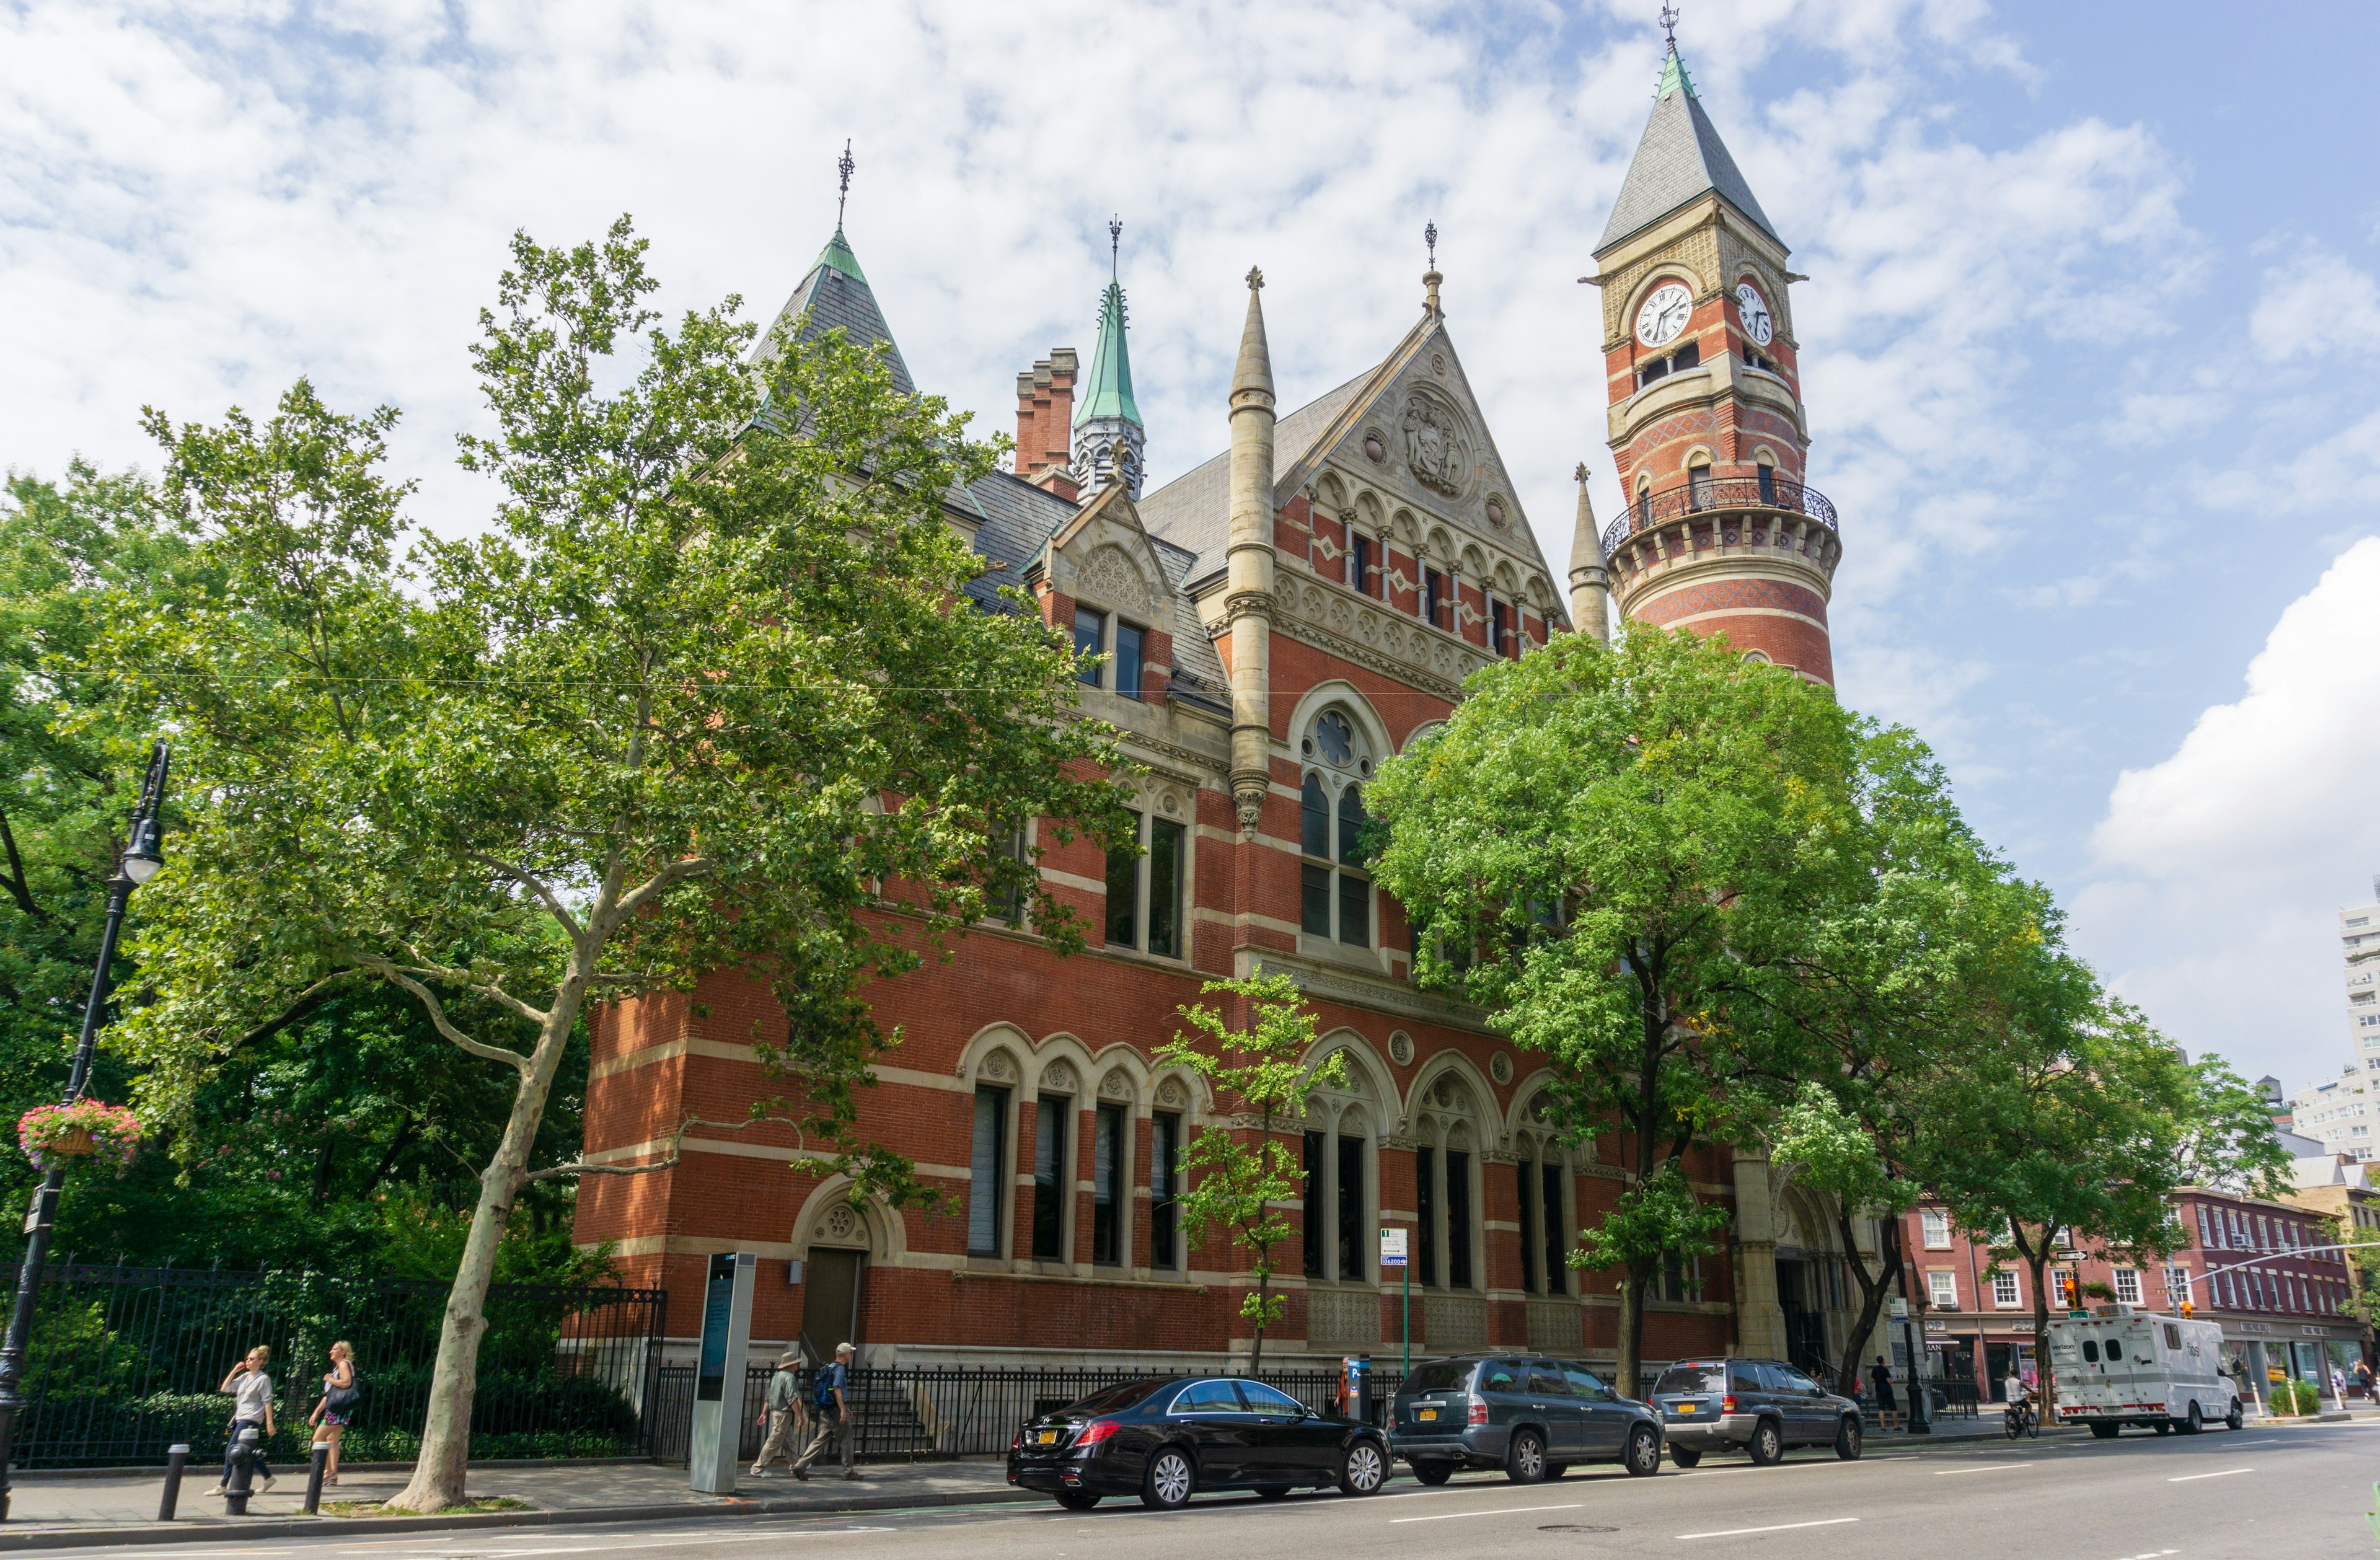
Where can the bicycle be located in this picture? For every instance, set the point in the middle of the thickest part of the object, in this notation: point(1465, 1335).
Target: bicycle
point(2021, 1420)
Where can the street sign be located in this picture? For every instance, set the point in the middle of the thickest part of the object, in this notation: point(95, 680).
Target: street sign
point(1900, 1309)
point(1392, 1247)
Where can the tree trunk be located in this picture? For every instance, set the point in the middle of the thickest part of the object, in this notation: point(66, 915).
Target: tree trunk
point(1631, 1330)
point(440, 1471)
point(1264, 1308)
point(2045, 1379)
point(1871, 1298)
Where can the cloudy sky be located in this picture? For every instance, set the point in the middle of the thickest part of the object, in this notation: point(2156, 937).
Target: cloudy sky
point(2091, 336)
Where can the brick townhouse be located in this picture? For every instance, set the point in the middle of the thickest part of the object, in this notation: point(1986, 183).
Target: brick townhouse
point(2245, 1263)
point(1278, 621)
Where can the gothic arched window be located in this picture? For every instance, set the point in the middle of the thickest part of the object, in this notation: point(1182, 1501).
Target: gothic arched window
point(1334, 889)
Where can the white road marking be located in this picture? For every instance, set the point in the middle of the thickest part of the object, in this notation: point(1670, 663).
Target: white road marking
point(1500, 1511)
point(1778, 1528)
point(1980, 1468)
point(2224, 1474)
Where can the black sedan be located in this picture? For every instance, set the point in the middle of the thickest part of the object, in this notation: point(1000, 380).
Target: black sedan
point(1166, 1440)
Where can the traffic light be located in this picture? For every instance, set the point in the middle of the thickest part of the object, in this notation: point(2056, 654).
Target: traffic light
point(2186, 1308)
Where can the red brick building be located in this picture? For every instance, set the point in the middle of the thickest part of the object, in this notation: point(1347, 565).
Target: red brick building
point(1278, 622)
point(2247, 1263)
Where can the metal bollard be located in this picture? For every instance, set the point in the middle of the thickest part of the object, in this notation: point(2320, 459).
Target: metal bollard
point(243, 1473)
point(314, 1477)
point(177, 1457)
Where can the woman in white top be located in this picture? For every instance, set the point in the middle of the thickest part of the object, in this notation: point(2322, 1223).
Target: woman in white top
point(251, 1404)
point(339, 1379)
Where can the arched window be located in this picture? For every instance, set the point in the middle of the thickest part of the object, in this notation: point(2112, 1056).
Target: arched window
point(1698, 484)
point(1644, 501)
point(1334, 888)
point(1766, 472)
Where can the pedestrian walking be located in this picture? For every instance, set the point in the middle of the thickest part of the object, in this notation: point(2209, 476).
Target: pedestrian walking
point(2338, 1384)
point(251, 1404)
point(339, 1393)
point(784, 1415)
point(829, 1395)
point(2363, 1378)
point(1887, 1407)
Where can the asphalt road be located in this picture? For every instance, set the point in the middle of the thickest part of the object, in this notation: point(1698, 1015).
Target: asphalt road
point(2300, 1491)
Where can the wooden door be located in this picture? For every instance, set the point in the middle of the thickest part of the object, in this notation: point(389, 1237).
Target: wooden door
point(831, 1300)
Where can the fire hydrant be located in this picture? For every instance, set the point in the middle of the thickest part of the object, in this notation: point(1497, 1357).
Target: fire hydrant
point(245, 1453)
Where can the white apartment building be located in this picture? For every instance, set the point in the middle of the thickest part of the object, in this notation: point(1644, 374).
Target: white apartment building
point(2336, 1114)
point(2359, 950)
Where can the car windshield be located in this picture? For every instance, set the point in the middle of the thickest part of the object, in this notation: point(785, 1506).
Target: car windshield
point(1109, 1400)
point(1439, 1375)
point(1693, 1377)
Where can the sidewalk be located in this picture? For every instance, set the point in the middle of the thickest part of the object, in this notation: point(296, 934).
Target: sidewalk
point(54, 1509)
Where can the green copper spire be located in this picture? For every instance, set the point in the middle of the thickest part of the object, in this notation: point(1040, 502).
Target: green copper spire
point(1674, 78)
point(838, 254)
point(1110, 392)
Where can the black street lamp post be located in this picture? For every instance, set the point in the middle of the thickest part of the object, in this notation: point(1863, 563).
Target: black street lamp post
point(142, 855)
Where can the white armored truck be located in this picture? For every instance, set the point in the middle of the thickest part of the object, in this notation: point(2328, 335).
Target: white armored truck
point(2122, 1365)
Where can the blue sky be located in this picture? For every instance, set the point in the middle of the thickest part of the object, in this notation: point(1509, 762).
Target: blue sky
point(2091, 337)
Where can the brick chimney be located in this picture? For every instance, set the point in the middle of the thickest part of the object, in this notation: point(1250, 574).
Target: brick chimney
point(1045, 423)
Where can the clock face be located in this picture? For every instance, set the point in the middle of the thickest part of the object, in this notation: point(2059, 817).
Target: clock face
point(1755, 314)
point(1663, 314)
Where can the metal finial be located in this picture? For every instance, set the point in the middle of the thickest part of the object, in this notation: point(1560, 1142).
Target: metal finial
point(842, 165)
point(1670, 24)
point(1581, 473)
point(1116, 244)
point(1255, 278)
point(1429, 237)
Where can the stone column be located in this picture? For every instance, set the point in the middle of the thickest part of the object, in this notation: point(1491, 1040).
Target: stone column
point(1759, 1319)
point(1248, 599)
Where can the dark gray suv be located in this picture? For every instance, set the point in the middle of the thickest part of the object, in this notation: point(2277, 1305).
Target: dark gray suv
point(1756, 1406)
point(1529, 1415)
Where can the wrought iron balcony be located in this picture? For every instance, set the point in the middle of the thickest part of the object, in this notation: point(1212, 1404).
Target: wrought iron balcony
point(1713, 494)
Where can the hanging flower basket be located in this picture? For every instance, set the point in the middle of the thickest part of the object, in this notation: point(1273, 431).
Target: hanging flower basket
point(85, 1130)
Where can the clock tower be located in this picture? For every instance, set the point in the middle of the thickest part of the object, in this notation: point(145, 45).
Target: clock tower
point(1721, 534)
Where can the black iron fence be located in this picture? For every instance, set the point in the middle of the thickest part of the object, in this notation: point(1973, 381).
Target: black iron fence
point(126, 1360)
point(953, 1411)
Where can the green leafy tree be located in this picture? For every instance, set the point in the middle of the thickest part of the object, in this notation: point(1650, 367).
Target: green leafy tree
point(708, 695)
point(1615, 840)
point(1242, 1169)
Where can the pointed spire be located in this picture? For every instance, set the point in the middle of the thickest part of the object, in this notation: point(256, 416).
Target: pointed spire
point(1680, 159)
point(1590, 577)
point(1109, 436)
point(1253, 373)
point(1430, 278)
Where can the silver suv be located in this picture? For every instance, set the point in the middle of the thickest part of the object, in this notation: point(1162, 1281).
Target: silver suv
point(1756, 1406)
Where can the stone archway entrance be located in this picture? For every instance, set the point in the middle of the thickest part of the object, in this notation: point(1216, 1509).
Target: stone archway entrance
point(833, 1282)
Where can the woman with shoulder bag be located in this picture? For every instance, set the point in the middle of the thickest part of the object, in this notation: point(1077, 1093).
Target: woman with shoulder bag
point(340, 1390)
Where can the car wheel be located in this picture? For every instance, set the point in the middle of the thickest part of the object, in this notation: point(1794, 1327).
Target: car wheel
point(1767, 1445)
point(1171, 1481)
point(1362, 1470)
point(1433, 1472)
point(2236, 1417)
point(1077, 1500)
point(1525, 1459)
point(1557, 1470)
point(1644, 1456)
point(1850, 1439)
point(2163, 1427)
point(2103, 1432)
point(2197, 1422)
point(1685, 1456)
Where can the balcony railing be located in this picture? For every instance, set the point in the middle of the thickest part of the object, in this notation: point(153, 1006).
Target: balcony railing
point(1707, 494)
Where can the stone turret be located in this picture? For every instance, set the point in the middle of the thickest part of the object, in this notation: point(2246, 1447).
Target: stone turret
point(1248, 599)
point(1590, 583)
point(1110, 439)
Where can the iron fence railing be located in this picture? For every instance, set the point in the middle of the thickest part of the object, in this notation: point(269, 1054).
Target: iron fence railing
point(956, 1411)
point(125, 1361)
point(1707, 494)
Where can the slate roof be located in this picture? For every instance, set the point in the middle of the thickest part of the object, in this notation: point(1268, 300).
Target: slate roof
point(1680, 159)
point(835, 293)
point(1194, 511)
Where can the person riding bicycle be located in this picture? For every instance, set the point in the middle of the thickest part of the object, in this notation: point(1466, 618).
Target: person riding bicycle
point(2020, 1397)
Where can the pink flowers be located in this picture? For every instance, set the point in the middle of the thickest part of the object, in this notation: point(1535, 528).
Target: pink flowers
point(92, 1128)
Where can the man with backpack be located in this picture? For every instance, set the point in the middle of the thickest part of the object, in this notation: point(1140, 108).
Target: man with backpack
point(787, 1419)
point(829, 1397)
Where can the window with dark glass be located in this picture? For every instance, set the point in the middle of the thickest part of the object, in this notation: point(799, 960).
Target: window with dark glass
point(987, 1171)
point(1426, 1214)
point(1316, 1220)
point(1089, 639)
point(1164, 1187)
point(1351, 1207)
point(1500, 627)
point(1523, 1173)
point(1686, 357)
point(1052, 1129)
point(1129, 637)
point(1123, 891)
point(1557, 1237)
point(1644, 506)
point(1107, 1186)
point(1334, 897)
point(1768, 476)
point(1008, 902)
point(1165, 841)
point(1359, 564)
point(1433, 597)
point(1458, 1219)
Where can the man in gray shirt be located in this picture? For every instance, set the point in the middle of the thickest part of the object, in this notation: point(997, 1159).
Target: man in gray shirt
point(787, 1418)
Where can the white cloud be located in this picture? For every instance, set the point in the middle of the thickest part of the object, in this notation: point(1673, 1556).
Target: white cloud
point(2220, 866)
point(2315, 306)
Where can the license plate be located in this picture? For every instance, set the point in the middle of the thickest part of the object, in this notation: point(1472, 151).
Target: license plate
point(1426, 1413)
point(1049, 1438)
point(1687, 1408)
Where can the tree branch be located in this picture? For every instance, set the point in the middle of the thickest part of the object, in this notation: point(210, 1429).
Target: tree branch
point(438, 1016)
point(468, 981)
point(553, 904)
point(661, 883)
point(19, 889)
